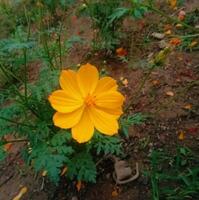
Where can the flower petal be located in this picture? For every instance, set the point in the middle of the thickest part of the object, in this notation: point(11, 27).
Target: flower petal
point(67, 120)
point(63, 102)
point(105, 84)
point(83, 131)
point(104, 122)
point(87, 78)
point(109, 100)
point(114, 111)
point(68, 82)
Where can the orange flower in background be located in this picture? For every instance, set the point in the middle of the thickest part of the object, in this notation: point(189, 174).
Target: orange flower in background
point(175, 41)
point(121, 52)
point(86, 102)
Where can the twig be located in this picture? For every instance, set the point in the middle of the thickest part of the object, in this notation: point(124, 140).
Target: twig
point(17, 140)
point(6, 180)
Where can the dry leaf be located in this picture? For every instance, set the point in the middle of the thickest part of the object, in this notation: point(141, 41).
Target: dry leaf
point(168, 32)
point(167, 27)
point(121, 51)
point(79, 185)
point(175, 41)
point(179, 25)
point(173, 3)
point(21, 193)
point(44, 173)
point(170, 93)
point(181, 135)
point(156, 82)
point(193, 44)
point(114, 193)
point(64, 171)
point(7, 146)
point(188, 107)
point(125, 82)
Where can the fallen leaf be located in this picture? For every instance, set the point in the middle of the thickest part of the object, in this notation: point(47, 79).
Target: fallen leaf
point(179, 25)
point(167, 32)
point(121, 78)
point(173, 3)
point(121, 51)
point(181, 135)
point(193, 44)
point(125, 82)
point(156, 82)
point(44, 173)
point(170, 93)
point(175, 41)
point(21, 193)
point(64, 171)
point(114, 193)
point(188, 107)
point(79, 185)
point(167, 27)
point(7, 146)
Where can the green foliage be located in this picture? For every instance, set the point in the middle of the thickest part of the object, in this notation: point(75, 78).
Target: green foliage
point(106, 144)
point(174, 176)
point(25, 112)
point(128, 121)
point(51, 156)
point(83, 167)
point(138, 9)
point(53, 4)
point(107, 17)
point(2, 153)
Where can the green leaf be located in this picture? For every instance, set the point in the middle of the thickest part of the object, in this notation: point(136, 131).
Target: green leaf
point(128, 121)
point(45, 159)
point(2, 153)
point(82, 167)
point(106, 144)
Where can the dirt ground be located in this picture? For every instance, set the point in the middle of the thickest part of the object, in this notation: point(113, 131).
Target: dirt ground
point(169, 116)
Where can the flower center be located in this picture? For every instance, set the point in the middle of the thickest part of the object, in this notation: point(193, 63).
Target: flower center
point(90, 100)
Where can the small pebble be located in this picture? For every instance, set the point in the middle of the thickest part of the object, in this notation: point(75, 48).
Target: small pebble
point(159, 36)
point(74, 198)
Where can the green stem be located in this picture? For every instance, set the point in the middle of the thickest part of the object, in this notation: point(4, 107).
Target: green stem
point(25, 74)
point(46, 49)
point(17, 123)
point(185, 36)
point(9, 73)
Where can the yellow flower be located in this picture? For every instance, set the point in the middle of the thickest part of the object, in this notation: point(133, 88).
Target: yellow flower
point(86, 102)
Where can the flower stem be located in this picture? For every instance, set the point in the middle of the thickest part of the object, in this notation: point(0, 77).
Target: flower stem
point(17, 123)
point(17, 140)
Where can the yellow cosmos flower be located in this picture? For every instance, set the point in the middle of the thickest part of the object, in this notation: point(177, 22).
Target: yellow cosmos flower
point(86, 102)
